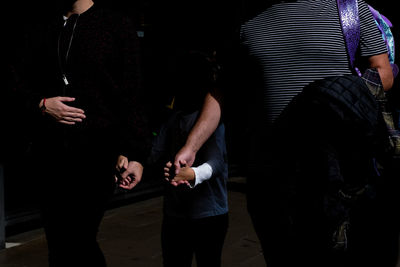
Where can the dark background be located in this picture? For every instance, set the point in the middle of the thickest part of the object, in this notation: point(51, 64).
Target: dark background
point(168, 26)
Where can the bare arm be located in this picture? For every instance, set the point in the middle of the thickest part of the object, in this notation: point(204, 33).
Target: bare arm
point(381, 63)
point(206, 124)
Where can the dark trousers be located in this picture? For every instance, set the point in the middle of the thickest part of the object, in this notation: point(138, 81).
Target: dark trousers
point(295, 232)
point(71, 235)
point(203, 238)
point(75, 189)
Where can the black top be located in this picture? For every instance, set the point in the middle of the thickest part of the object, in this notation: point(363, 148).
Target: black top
point(103, 72)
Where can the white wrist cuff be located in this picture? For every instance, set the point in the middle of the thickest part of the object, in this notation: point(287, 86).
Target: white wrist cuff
point(202, 173)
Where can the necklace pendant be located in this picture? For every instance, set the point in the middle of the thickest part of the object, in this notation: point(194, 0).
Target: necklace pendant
point(65, 80)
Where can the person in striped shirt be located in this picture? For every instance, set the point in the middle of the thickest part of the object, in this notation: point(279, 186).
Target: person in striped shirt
point(287, 46)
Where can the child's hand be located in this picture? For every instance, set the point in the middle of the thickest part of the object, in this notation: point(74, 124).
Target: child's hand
point(169, 172)
point(185, 174)
point(170, 176)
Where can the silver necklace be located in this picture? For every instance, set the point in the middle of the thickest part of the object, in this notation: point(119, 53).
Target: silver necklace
point(64, 76)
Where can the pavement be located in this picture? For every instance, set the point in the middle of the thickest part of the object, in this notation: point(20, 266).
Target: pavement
point(130, 236)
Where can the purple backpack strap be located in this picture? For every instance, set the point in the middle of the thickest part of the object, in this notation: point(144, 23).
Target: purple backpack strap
point(350, 21)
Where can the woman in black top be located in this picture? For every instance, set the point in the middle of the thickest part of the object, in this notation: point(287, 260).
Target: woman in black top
point(84, 101)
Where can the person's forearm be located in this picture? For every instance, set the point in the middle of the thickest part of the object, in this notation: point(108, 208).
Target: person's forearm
point(206, 124)
point(382, 65)
point(386, 78)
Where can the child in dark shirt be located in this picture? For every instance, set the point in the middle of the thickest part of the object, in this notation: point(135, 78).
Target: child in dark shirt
point(195, 201)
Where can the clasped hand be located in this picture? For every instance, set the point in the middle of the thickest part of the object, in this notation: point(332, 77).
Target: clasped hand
point(184, 175)
point(129, 173)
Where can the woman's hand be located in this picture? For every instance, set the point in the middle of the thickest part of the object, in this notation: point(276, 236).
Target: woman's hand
point(56, 107)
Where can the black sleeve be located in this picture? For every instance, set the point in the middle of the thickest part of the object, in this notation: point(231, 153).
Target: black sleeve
point(29, 68)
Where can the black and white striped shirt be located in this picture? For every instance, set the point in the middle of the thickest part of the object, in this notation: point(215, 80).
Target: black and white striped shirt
point(295, 43)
